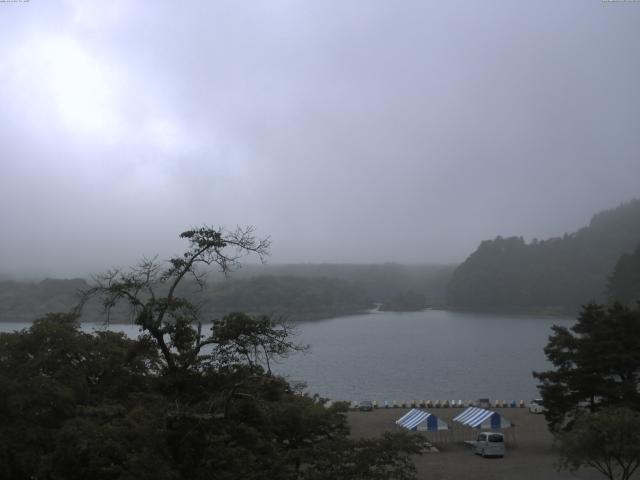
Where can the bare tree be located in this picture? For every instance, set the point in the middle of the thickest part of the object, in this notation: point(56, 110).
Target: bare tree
point(150, 289)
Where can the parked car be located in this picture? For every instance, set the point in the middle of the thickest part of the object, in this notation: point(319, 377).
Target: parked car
point(489, 444)
point(482, 403)
point(365, 406)
point(536, 406)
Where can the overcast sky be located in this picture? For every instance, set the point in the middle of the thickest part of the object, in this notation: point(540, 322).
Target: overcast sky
point(348, 131)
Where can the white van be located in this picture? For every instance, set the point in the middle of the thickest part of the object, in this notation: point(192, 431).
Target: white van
point(489, 444)
point(536, 406)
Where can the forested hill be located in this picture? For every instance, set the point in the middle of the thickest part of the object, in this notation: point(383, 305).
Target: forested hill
point(296, 291)
point(26, 301)
point(383, 283)
point(558, 274)
point(286, 296)
point(624, 283)
point(283, 296)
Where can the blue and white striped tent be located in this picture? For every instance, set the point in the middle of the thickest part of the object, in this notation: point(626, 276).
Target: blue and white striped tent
point(422, 421)
point(476, 417)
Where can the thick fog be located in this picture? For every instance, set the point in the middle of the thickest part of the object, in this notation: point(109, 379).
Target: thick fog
point(348, 131)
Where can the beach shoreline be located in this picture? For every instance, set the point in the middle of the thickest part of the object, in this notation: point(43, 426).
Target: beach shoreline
point(532, 456)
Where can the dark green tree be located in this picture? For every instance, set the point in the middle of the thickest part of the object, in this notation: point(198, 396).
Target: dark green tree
point(596, 364)
point(366, 459)
point(408, 301)
point(178, 402)
point(607, 440)
point(624, 282)
point(51, 375)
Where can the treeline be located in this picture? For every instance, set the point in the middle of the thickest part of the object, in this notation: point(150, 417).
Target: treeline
point(556, 275)
point(298, 298)
point(26, 301)
point(624, 283)
point(295, 291)
point(383, 283)
point(408, 301)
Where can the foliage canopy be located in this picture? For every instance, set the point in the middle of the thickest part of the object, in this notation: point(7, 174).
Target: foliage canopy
point(607, 440)
point(624, 282)
point(596, 364)
point(175, 403)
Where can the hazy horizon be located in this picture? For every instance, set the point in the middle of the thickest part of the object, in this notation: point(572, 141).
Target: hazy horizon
point(348, 132)
point(253, 262)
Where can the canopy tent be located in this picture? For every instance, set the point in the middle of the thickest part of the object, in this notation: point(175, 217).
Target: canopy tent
point(422, 421)
point(476, 417)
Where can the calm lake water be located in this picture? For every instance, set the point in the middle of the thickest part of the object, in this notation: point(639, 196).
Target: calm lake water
point(432, 354)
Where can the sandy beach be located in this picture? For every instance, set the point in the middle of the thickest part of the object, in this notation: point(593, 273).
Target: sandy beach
point(530, 457)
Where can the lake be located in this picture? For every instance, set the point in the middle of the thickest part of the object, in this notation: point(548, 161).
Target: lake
point(432, 354)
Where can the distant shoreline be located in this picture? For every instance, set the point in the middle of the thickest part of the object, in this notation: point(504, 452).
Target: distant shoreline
point(551, 312)
point(319, 316)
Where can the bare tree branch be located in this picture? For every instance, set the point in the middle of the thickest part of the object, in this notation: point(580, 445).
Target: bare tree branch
point(149, 289)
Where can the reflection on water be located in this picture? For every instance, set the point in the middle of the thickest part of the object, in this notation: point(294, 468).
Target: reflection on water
point(432, 354)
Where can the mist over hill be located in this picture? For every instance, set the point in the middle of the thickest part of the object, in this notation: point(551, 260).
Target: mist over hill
point(381, 282)
point(556, 275)
point(26, 301)
point(624, 282)
point(294, 291)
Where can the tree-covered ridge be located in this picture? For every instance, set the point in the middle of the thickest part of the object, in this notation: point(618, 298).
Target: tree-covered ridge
point(297, 291)
point(558, 274)
point(292, 297)
point(381, 282)
point(26, 301)
point(409, 301)
point(624, 282)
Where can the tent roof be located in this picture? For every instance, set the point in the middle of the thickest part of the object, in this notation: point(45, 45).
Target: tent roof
point(421, 420)
point(476, 417)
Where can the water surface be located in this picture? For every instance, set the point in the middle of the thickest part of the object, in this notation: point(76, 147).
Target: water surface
point(432, 354)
